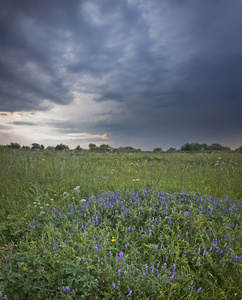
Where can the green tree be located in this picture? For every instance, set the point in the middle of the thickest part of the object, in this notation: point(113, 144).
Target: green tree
point(186, 147)
point(193, 147)
point(14, 146)
point(218, 147)
point(61, 147)
point(171, 150)
point(105, 148)
point(78, 148)
point(50, 148)
point(196, 146)
point(157, 150)
point(93, 147)
point(25, 147)
point(37, 146)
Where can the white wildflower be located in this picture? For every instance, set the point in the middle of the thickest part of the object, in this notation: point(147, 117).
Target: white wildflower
point(77, 188)
point(83, 200)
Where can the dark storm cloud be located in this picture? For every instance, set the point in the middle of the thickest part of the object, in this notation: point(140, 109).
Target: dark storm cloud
point(31, 59)
point(24, 123)
point(173, 66)
point(76, 126)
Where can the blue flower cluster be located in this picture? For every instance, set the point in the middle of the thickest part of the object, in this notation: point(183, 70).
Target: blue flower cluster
point(147, 240)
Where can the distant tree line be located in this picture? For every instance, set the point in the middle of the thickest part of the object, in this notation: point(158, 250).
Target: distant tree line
point(187, 147)
point(202, 147)
point(107, 148)
point(36, 146)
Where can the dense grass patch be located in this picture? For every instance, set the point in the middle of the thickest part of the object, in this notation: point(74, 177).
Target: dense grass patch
point(134, 237)
point(40, 175)
point(143, 245)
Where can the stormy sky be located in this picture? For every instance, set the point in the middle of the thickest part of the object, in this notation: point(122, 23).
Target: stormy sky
point(135, 73)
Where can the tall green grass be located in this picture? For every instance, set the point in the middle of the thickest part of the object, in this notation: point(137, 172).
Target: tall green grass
point(27, 176)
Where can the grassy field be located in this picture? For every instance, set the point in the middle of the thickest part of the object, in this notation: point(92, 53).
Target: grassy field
point(114, 226)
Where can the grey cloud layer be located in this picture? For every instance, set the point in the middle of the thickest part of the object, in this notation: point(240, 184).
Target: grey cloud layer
point(168, 63)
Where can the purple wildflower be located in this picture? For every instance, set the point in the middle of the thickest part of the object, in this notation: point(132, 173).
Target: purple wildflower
point(174, 268)
point(191, 287)
point(198, 290)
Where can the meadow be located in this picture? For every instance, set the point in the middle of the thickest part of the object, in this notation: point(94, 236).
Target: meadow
point(82, 225)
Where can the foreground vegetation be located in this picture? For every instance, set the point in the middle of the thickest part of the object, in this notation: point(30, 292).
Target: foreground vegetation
point(117, 226)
